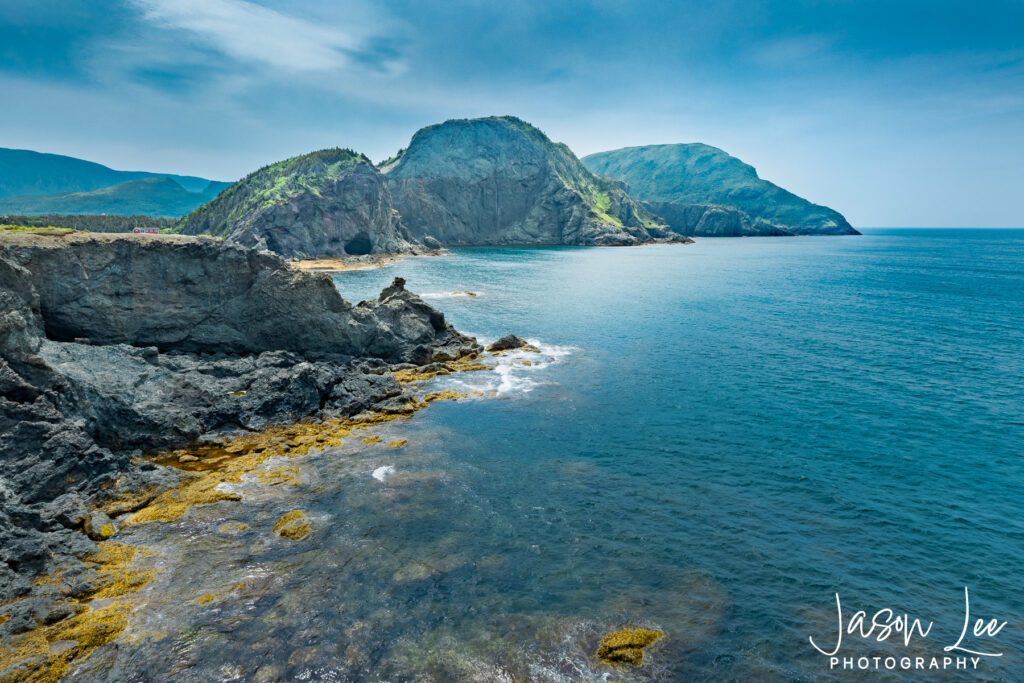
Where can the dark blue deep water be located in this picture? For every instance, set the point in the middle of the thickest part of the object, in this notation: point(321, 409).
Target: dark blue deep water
point(745, 427)
point(717, 439)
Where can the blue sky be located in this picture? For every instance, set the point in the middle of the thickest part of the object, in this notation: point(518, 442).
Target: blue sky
point(895, 113)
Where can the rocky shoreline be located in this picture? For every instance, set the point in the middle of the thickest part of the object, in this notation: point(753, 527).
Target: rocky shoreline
point(112, 346)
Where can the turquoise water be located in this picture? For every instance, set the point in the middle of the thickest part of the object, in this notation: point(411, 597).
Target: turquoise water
point(716, 439)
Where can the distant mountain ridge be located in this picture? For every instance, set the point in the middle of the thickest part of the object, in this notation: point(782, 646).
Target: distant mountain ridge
point(39, 183)
point(670, 178)
point(158, 196)
point(24, 172)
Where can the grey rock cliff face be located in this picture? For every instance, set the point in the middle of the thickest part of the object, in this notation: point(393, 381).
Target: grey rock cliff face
point(323, 204)
point(710, 220)
point(185, 337)
point(500, 181)
point(195, 295)
point(352, 215)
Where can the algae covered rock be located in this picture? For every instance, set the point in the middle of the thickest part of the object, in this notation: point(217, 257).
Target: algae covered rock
point(293, 525)
point(627, 646)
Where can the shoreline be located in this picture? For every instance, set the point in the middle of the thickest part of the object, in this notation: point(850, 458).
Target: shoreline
point(90, 395)
point(98, 615)
point(339, 264)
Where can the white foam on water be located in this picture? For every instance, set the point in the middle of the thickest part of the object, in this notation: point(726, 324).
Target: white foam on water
point(510, 375)
point(383, 472)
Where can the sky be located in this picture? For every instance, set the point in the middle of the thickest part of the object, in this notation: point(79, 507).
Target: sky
point(894, 113)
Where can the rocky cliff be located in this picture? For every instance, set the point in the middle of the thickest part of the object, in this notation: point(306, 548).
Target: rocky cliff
point(671, 177)
point(710, 220)
point(500, 181)
point(110, 344)
point(328, 203)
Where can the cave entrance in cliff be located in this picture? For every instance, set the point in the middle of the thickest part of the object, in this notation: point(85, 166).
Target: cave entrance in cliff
point(359, 245)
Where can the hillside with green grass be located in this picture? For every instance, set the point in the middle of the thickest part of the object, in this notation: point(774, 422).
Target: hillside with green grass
point(332, 202)
point(158, 197)
point(90, 222)
point(674, 177)
point(269, 186)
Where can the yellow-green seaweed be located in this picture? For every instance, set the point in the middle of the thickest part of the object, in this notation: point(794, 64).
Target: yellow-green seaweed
point(293, 525)
point(627, 646)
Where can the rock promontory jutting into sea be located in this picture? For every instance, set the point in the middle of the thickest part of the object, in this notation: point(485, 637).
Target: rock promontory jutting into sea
point(328, 203)
point(115, 344)
point(701, 190)
point(501, 181)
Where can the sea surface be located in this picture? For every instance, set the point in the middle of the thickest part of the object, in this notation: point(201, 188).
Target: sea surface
point(714, 441)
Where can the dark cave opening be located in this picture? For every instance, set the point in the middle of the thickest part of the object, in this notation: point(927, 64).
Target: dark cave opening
point(359, 245)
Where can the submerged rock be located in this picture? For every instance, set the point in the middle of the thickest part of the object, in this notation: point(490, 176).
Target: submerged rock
point(510, 342)
point(627, 646)
point(293, 525)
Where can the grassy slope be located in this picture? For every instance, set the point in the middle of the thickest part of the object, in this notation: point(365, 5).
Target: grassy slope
point(270, 185)
point(702, 174)
point(24, 172)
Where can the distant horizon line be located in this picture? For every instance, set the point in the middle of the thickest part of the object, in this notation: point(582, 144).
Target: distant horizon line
point(939, 227)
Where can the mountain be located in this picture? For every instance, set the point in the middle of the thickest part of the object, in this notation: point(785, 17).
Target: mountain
point(154, 196)
point(670, 177)
point(327, 203)
point(24, 172)
point(500, 181)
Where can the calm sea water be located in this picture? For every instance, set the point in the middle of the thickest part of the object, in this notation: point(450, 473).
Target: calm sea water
point(716, 439)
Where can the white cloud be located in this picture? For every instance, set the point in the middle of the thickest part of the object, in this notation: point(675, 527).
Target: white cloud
point(792, 50)
point(251, 33)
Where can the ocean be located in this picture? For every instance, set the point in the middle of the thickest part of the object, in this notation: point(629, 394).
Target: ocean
point(715, 440)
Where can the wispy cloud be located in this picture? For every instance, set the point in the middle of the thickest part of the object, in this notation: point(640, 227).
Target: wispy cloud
point(792, 50)
point(250, 33)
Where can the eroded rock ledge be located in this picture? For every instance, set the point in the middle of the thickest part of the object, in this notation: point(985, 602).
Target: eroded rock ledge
point(110, 345)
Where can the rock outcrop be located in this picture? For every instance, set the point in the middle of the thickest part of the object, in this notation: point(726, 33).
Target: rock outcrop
point(181, 342)
point(500, 181)
point(328, 203)
point(193, 295)
point(710, 220)
point(673, 177)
